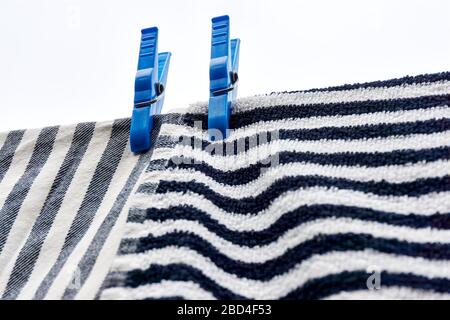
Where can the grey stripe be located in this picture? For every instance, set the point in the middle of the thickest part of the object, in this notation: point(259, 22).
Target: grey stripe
point(116, 279)
point(8, 150)
point(148, 188)
point(166, 142)
point(41, 152)
point(97, 189)
point(30, 251)
point(88, 261)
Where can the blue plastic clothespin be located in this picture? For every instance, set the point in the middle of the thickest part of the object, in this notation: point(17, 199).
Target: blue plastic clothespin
point(223, 76)
point(149, 87)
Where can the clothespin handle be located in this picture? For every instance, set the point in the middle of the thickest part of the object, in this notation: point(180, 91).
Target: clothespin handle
point(223, 75)
point(149, 87)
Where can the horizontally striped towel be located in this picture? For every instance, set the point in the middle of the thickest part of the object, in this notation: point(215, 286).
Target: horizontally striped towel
point(349, 192)
point(327, 193)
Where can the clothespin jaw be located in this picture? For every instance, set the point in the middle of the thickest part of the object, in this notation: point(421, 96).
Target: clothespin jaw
point(149, 87)
point(223, 75)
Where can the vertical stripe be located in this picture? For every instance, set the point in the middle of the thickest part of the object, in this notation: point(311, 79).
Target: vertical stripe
point(28, 255)
point(41, 152)
point(3, 136)
point(19, 163)
point(116, 219)
point(8, 149)
point(92, 200)
point(33, 203)
point(73, 198)
point(71, 267)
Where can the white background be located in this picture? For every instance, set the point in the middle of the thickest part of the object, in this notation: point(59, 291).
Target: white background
point(66, 61)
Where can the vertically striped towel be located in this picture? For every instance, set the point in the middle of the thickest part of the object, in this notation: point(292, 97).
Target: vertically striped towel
point(63, 193)
point(327, 193)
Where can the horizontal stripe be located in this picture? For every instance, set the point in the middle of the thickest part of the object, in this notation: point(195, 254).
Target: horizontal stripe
point(424, 78)
point(185, 289)
point(335, 286)
point(316, 267)
point(389, 174)
point(287, 221)
point(426, 205)
point(402, 91)
point(317, 245)
point(327, 133)
point(298, 121)
point(358, 161)
point(181, 153)
point(390, 293)
point(263, 200)
point(254, 252)
point(351, 281)
point(156, 274)
point(327, 100)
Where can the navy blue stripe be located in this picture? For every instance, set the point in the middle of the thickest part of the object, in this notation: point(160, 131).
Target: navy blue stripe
point(264, 200)
point(288, 221)
point(320, 244)
point(86, 264)
point(283, 112)
point(29, 253)
point(312, 289)
point(359, 159)
point(368, 131)
point(424, 78)
point(92, 200)
point(8, 150)
point(325, 133)
point(356, 280)
point(177, 272)
point(41, 152)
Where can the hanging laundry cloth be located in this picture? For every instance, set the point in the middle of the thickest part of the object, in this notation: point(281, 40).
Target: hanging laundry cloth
point(340, 193)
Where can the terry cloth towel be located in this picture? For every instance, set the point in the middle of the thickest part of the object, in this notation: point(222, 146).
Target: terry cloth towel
point(328, 193)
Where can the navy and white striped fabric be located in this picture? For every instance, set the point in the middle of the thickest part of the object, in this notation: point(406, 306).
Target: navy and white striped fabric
point(63, 195)
point(313, 195)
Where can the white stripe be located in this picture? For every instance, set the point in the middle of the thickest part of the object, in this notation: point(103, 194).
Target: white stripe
point(3, 136)
point(391, 174)
point(424, 205)
point(19, 163)
point(291, 239)
point(389, 293)
point(32, 204)
point(121, 175)
point(106, 254)
point(314, 123)
point(341, 96)
point(73, 198)
point(262, 152)
point(315, 267)
point(165, 289)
